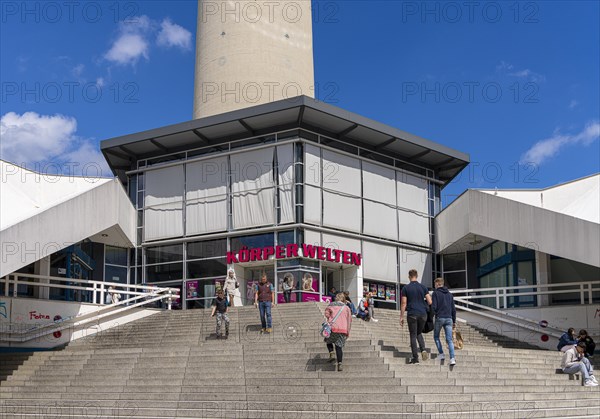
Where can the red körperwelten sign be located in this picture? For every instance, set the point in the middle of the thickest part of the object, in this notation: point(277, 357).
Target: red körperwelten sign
point(282, 251)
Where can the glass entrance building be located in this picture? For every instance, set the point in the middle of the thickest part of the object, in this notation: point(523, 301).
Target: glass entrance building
point(299, 190)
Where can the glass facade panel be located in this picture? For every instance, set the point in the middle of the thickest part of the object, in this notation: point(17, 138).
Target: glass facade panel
point(207, 268)
point(166, 272)
point(498, 250)
point(161, 254)
point(454, 262)
point(454, 280)
point(207, 249)
point(261, 240)
point(116, 255)
point(485, 256)
point(115, 274)
point(286, 237)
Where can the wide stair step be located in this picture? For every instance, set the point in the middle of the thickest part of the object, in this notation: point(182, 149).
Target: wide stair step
point(171, 365)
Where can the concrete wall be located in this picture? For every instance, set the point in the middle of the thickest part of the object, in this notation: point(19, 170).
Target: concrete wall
point(502, 219)
point(29, 312)
point(249, 53)
point(560, 317)
point(69, 222)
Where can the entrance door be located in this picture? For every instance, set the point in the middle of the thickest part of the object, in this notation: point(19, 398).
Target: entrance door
point(251, 277)
point(333, 277)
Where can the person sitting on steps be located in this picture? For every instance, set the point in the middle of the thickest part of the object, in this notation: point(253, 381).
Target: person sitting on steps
point(574, 361)
point(590, 346)
point(567, 341)
point(366, 308)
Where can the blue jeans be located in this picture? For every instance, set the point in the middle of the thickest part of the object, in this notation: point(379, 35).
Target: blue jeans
point(265, 313)
point(447, 325)
point(583, 366)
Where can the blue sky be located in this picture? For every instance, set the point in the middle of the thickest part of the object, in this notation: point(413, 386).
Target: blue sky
point(514, 84)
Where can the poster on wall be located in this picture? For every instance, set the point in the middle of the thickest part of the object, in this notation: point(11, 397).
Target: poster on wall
point(390, 292)
point(309, 285)
point(287, 282)
point(373, 289)
point(192, 289)
point(381, 291)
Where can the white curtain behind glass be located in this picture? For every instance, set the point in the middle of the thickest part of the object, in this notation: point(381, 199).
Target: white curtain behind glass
point(312, 181)
point(253, 188)
point(206, 196)
point(341, 191)
point(379, 184)
point(163, 213)
point(285, 162)
point(380, 262)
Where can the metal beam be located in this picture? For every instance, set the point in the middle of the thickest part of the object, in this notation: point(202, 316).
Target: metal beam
point(301, 114)
point(452, 166)
point(347, 131)
point(202, 137)
point(126, 150)
point(157, 144)
point(385, 143)
point(419, 155)
point(246, 126)
point(118, 154)
point(440, 166)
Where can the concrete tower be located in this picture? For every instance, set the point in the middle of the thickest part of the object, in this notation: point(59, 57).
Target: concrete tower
point(251, 52)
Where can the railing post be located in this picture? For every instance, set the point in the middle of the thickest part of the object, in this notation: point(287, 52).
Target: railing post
point(15, 286)
point(582, 294)
point(169, 300)
point(94, 293)
point(497, 299)
point(6, 284)
point(589, 285)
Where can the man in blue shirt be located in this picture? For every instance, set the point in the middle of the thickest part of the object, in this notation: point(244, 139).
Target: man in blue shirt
point(415, 299)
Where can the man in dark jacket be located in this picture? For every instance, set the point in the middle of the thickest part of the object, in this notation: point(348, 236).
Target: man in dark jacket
point(445, 316)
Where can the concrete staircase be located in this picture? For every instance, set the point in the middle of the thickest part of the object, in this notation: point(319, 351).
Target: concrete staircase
point(171, 365)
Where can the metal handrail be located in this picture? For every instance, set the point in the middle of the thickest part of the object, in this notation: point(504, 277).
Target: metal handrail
point(507, 292)
point(507, 317)
point(149, 295)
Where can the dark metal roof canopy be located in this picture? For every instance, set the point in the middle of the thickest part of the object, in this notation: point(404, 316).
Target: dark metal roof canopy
point(299, 112)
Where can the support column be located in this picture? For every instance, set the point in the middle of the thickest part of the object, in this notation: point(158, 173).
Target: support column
point(542, 276)
point(42, 267)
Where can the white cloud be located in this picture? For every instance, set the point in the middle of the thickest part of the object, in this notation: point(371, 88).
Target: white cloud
point(550, 147)
point(133, 39)
point(503, 66)
point(527, 74)
point(31, 138)
point(128, 49)
point(78, 70)
point(173, 35)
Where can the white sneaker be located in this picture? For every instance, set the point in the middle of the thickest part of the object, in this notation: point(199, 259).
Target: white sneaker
point(441, 357)
point(452, 361)
point(593, 379)
point(374, 320)
point(354, 315)
point(590, 383)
